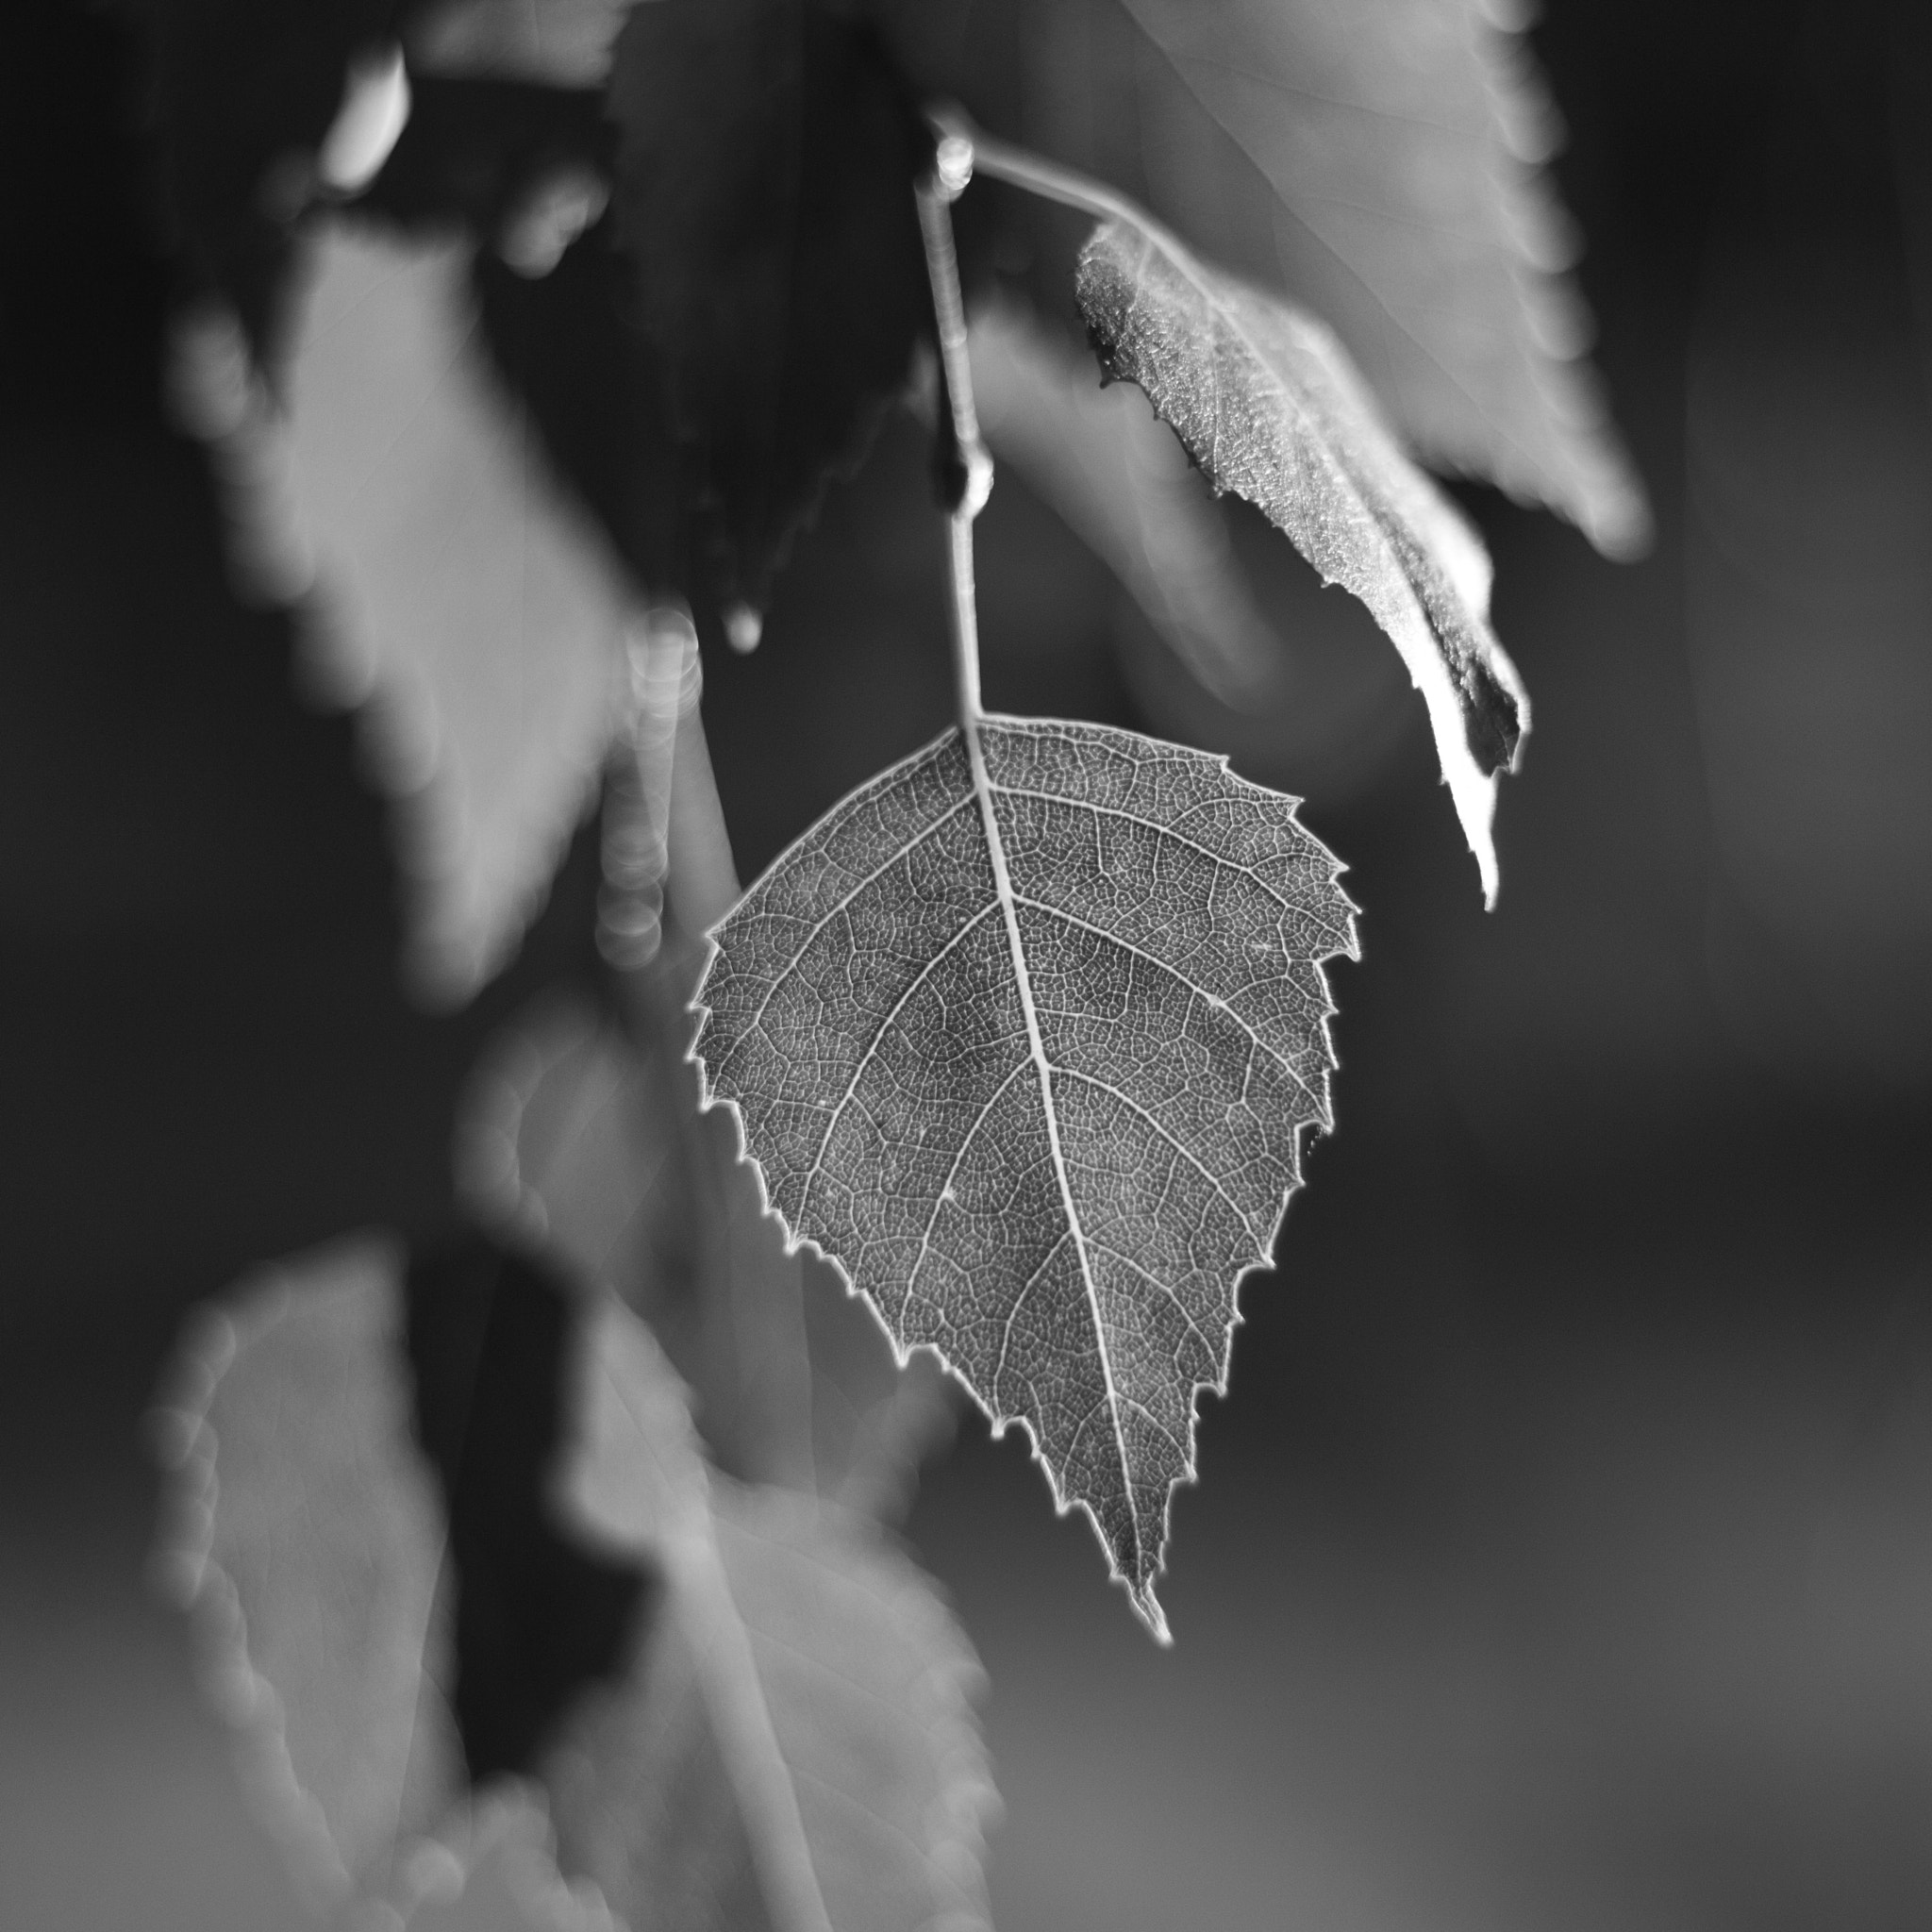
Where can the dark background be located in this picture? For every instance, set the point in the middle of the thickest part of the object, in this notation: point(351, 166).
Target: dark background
point(1563, 1554)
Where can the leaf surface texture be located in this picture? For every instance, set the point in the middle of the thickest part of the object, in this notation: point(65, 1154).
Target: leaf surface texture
point(1030, 1056)
point(576, 1131)
point(1265, 401)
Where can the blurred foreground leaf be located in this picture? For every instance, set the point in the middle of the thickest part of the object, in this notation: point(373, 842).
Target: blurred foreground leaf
point(1378, 160)
point(795, 1746)
point(1041, 1096)
point(448, 585)
point(306, 1533)
point(1266, 402)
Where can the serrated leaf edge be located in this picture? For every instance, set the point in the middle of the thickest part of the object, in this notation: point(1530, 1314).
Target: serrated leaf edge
point(1145, 1604)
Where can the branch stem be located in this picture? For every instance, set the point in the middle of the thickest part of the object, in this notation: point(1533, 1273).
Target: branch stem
point(1019, 167)
point(934, 195)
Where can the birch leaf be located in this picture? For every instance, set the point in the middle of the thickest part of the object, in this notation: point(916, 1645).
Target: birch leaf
point(1265, 401)
point(1116, 477)
point(1026, 1044)
point(307, 1535)
point(795, 1746)
point(449, 587)
point(1378, 160)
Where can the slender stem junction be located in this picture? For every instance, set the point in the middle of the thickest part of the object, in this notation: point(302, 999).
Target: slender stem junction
point(1019, 167)
point(951, 170)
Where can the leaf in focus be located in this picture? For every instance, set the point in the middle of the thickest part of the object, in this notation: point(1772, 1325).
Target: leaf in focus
point(450, 586)
point(795, 1746)
point(1378, 160)
point(1042, 1099)
point(1264, 399)
point(764, 192)
point(1120, 483)
point(307, 1534)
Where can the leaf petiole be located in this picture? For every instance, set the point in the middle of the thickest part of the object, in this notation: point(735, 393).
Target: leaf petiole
point(953, 168)
point(1019, 167)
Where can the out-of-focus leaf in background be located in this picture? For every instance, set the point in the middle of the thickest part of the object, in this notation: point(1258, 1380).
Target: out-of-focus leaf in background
point(794, 1744)
point(564, 42)
point(578, 1134)
point(764, 193)
point(451, 589)
point(306, 1532)
point(1378, 160)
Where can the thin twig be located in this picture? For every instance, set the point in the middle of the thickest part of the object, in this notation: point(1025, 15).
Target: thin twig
point(934, 195)
point(1019, 167)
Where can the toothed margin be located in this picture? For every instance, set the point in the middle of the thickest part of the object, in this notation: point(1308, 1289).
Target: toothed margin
point(1145, 1604)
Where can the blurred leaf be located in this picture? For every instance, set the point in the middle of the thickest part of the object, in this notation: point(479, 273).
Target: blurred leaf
point(764, 192)
point(450, 588)
point(1107, 466)
point(579, 1137)
point(796, 1745)
point(1026, 1039)
point(538, 1618)
point(245, 95)
point(565, 42)
point(1377, 159)
point(307, 1535)
point(1266, 402)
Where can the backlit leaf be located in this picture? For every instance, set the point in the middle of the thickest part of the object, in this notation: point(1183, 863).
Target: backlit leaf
point(306, 1533)
point(795, 1746)
point(1028, 1048)
point(1266, 402)
point(1378, 160)
point(449, 586)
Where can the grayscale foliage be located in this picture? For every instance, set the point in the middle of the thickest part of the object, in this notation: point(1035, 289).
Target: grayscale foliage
point(1028, 1048)
point(792, 1745)
point(577, 1137)
point(492, 674)
point(305, 1531)
point(1266, 402)
point(1116, 477)
point(1378, 160)
point(561, 42)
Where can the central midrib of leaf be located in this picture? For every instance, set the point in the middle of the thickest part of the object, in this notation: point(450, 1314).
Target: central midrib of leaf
point(1035, 1046)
